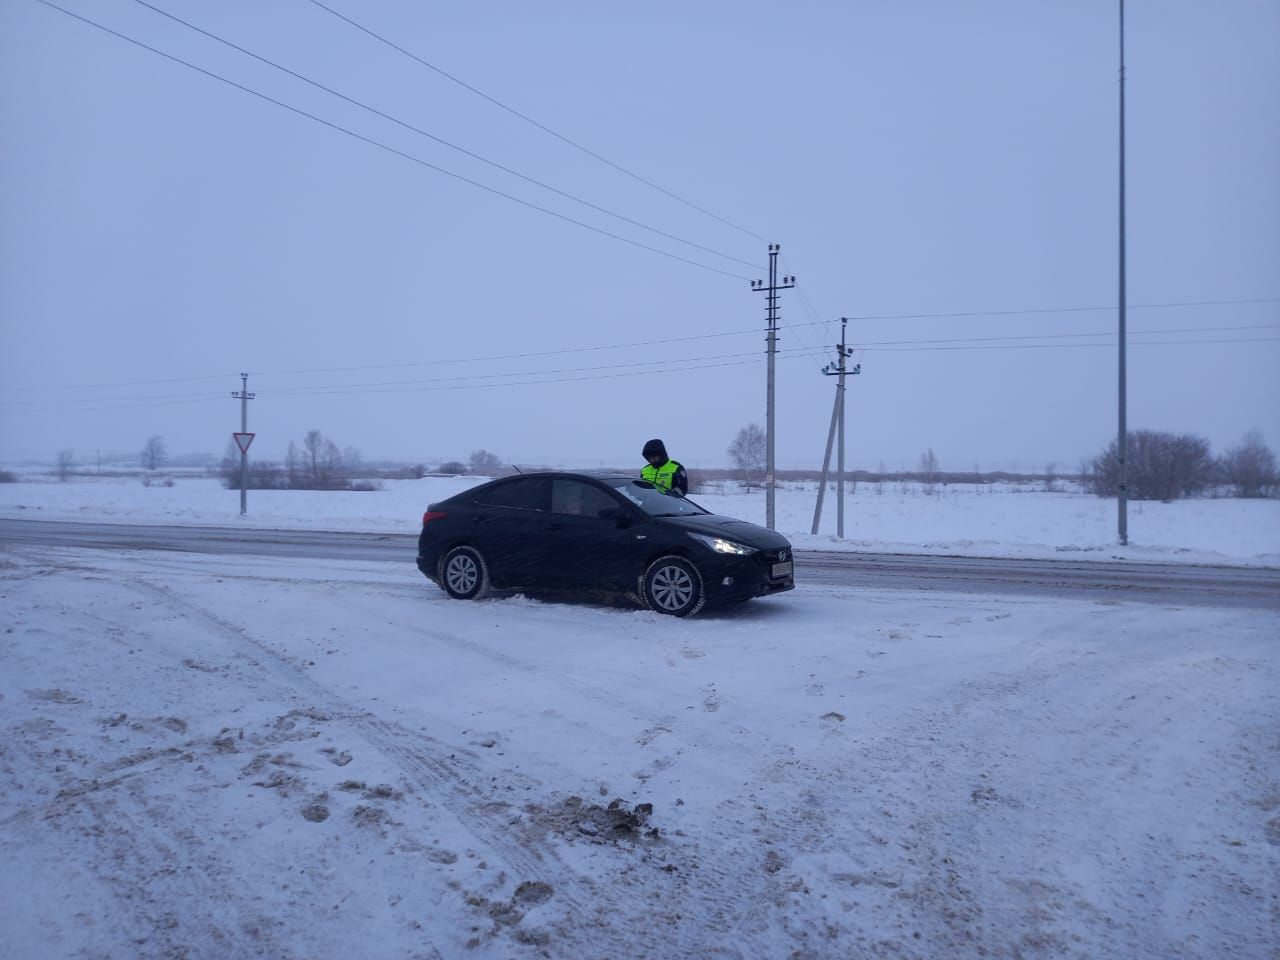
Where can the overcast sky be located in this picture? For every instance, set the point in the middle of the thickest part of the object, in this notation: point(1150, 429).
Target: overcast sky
point(163, 231)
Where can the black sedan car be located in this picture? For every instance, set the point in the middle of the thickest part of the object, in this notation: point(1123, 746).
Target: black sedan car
point(570, 531)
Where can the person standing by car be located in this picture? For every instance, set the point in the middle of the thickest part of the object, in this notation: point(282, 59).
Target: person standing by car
point(664, 473)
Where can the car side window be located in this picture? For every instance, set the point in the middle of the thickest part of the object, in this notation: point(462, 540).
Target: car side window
point(579, 499)
point(523, 493)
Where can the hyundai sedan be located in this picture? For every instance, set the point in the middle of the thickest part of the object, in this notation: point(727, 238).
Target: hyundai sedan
point(570, 531)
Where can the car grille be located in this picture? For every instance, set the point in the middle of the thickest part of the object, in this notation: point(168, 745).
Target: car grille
point(767, 559)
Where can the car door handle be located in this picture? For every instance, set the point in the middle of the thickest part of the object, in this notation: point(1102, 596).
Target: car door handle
point(555, 526)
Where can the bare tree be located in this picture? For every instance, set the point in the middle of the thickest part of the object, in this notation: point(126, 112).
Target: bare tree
point(229, 468)
point(1250, 467)
point(452, 468)
point(929, 469)
point(313, 449)
point(66, 460)
point(352, 461)
point(154, 454)
point(1161, 466)
point(748, 452)
point(484, 463)
point(1051, 478)
point(1085, 472)
point(322, 460)
point(293, 467)
point(331, 466)
point(259, 474)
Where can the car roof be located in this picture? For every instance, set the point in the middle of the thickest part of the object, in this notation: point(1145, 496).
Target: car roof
point(574, 474)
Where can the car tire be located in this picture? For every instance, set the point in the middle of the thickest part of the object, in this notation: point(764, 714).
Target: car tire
point(672, 585)
point(463, 574)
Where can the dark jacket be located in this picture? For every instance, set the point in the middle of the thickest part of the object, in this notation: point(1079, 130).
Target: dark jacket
point(669, 476)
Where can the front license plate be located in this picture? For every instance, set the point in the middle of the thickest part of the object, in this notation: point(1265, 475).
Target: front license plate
point(782, 570)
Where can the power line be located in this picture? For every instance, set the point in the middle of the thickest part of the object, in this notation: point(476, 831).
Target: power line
point(431, 136)
point(389, 149)
point(697, 364)
point(671, 366)
point(1060, 336)
point(115, 403)
point(489, 358)
point(815, 315)
point(1067, 346)
point(134, 403)
point(805, 350)
point(430, 385)
point(530, 120)
point(1108, 308)
point(494, 376)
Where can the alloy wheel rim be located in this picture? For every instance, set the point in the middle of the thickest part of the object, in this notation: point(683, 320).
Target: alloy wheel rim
point(462, 574)
point(672, 588)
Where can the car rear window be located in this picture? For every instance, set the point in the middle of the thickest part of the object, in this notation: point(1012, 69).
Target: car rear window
point(523, 493)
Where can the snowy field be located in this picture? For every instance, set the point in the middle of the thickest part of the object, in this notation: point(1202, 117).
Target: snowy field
point(223, 757)
point(1001, 520)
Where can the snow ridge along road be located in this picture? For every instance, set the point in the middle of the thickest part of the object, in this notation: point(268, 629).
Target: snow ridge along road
point(1257, 587)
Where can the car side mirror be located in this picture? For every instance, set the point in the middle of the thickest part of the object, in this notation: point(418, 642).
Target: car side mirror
point(617, 515)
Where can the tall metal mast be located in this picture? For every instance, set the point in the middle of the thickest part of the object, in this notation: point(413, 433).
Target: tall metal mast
point(1122, 440)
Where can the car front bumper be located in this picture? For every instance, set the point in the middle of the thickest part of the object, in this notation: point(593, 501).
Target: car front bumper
point(726, 579)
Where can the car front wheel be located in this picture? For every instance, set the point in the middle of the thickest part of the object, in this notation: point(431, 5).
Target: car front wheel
point(464, 574)
point(673, 586)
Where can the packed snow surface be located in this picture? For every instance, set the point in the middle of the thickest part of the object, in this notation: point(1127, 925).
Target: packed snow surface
point(230, 756)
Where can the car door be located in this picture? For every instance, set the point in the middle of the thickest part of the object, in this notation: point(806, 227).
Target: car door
point(508, 525)
point(584, 548)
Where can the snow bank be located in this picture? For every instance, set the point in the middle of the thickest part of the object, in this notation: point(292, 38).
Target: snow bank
point(1001, 520)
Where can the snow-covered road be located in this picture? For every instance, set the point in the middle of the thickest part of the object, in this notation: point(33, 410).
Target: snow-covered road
point(227, 756)
point(1163, 583)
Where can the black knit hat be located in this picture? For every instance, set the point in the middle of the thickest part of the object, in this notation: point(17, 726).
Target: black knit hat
point(654, 448)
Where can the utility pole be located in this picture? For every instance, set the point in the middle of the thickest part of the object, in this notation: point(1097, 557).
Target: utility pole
point(771, 341)
point(243, 439)
point(839, 370)
point(1122, 441)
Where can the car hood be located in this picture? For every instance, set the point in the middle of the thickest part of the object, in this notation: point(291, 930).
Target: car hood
point(714, 525)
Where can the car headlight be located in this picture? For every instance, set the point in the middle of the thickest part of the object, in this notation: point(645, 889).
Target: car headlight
point(721, 545)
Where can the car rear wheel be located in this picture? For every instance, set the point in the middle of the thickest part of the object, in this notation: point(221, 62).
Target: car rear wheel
point(672, 585)
point(463, 574)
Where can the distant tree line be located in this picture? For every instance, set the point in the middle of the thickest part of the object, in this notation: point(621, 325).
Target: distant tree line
point(483, 463)
point(315, 464)
point(1160, 466)
point(1168, 466)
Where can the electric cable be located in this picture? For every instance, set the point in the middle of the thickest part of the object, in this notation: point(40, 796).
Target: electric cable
point(388, 148)
point(1041, 310)
point(530, 120)
point(542, 376)
point(431, 136)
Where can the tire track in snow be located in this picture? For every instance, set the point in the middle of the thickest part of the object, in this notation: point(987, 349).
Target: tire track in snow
point(448, 775)
point(715, 896)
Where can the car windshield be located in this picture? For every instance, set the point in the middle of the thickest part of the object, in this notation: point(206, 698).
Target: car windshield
point(652, 500)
